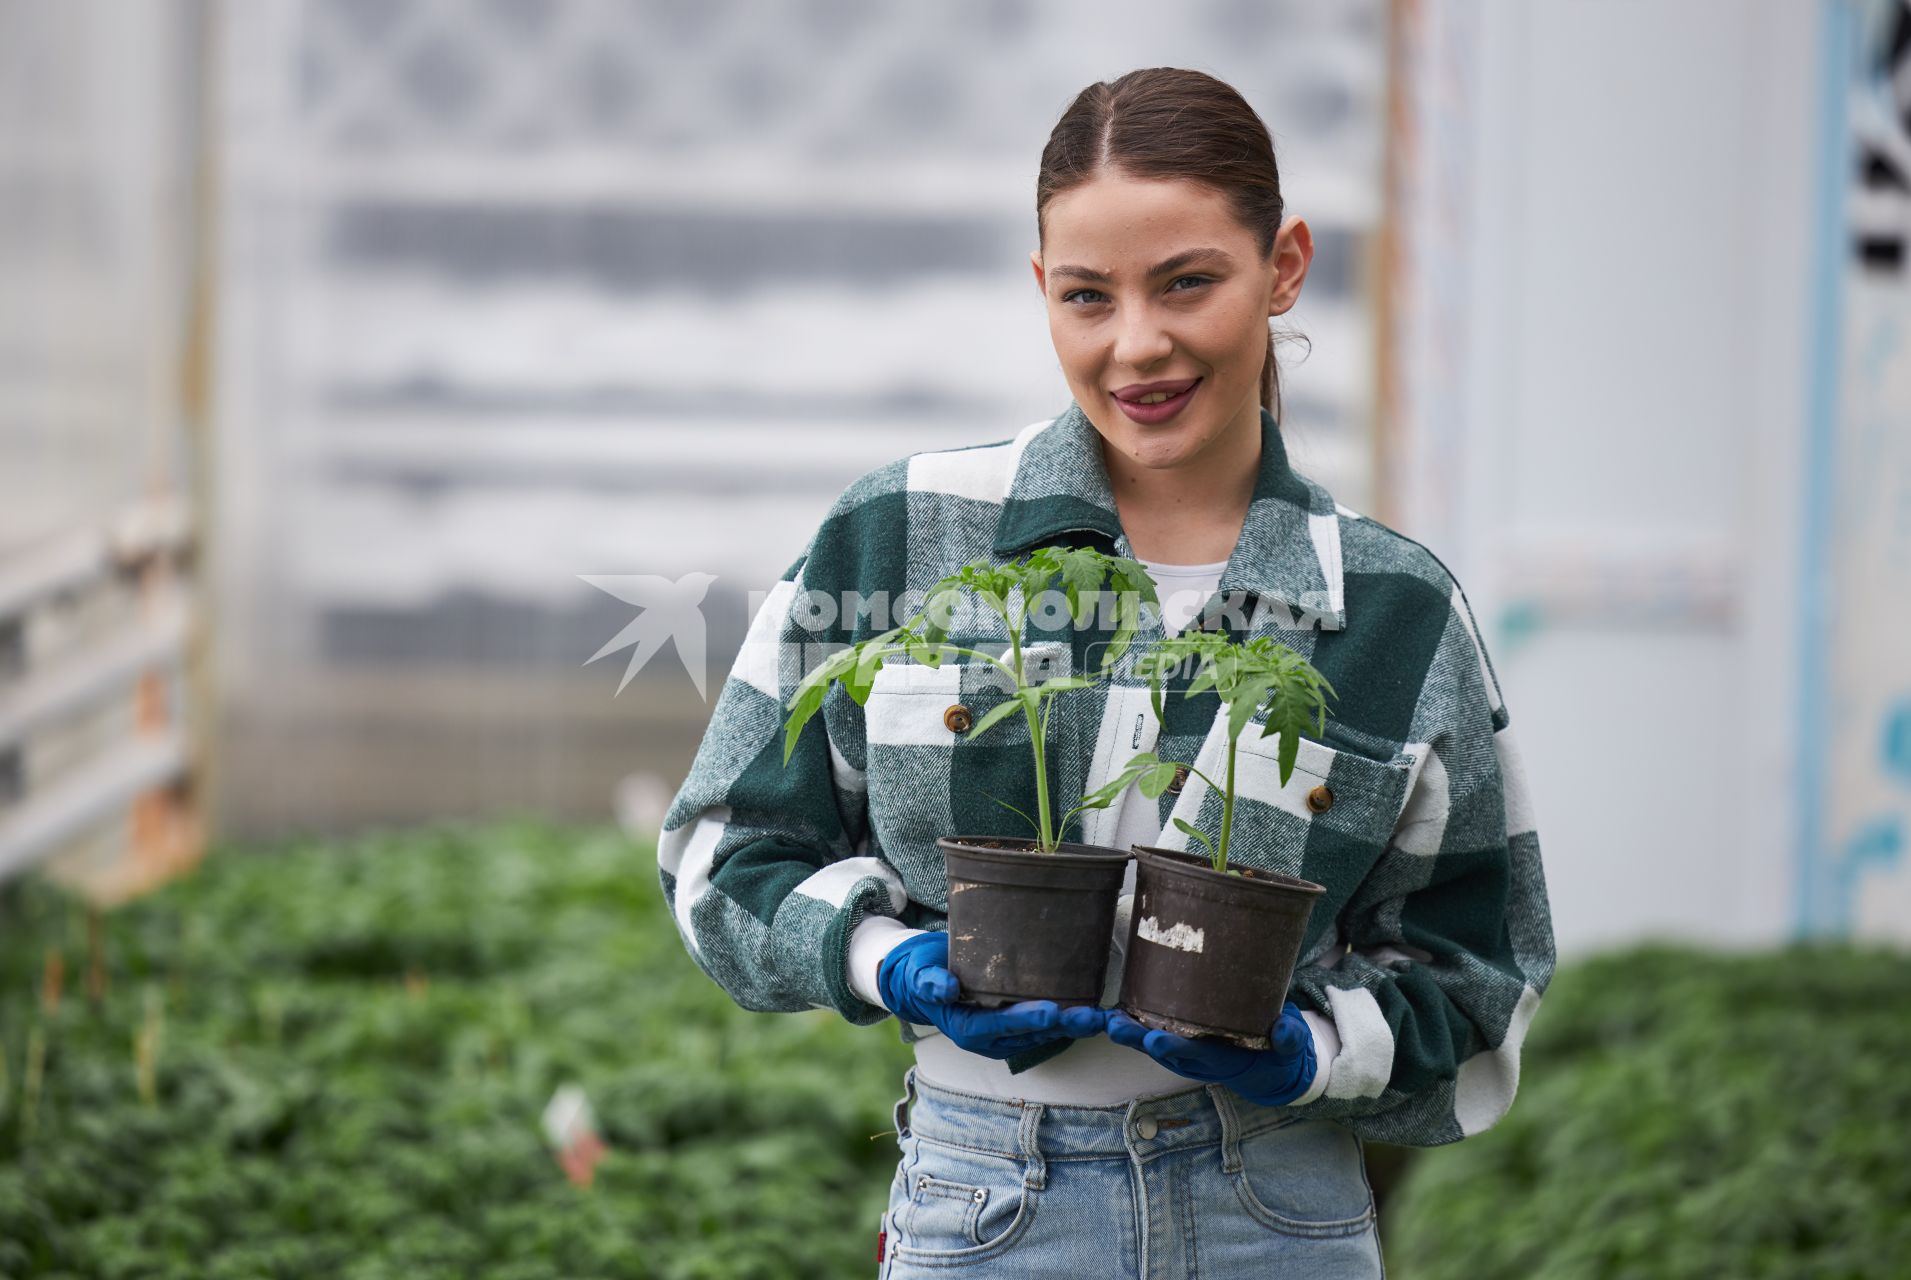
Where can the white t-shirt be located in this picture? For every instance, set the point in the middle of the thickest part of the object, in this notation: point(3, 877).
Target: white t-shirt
point(1096, 1071)
point(1184, 590)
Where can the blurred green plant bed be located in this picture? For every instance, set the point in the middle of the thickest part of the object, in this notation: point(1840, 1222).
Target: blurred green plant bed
point(1684, 1112)
point(330, 1060)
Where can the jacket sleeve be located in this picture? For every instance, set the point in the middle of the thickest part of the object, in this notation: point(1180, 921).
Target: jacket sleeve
point(1448, 941)
point(765, 867)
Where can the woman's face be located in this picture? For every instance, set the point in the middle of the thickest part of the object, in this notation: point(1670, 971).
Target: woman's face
point(1155, 281)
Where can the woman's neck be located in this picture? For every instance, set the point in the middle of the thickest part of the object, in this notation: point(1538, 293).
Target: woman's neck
point(1191, 513)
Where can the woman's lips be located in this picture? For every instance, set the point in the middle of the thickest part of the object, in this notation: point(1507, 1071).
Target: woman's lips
point(1149, 414)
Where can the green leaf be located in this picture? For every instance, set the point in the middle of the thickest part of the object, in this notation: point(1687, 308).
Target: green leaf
point(861, 677)
point(1140, 765)
point(1157, 780)
point(1127, 622)
point(1130, 576)
point(997, 602)
point(1204, 678)
point(819, 676)
point(1033, 580)
point(927, 653)
point(1007, 707)
point(806, 704)
point(1189, 829)
point(1033, 825)
point(1245, 699)
point(929, 621)
point(1081, 579)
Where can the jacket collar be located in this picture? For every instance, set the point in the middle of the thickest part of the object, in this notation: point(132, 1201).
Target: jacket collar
point(1288, 552)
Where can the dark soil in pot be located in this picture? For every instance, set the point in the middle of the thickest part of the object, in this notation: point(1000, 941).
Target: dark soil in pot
point(1025, 925)
point(1212, 954)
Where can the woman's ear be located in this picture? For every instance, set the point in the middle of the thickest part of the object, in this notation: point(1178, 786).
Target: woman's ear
point(1293, 252)
point(1041, 280)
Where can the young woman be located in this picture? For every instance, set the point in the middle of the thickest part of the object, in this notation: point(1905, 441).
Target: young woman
point(1037, 1141)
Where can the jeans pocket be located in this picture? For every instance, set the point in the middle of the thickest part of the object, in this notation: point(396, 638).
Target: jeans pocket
point(959, 1205)
point(1306, 1178)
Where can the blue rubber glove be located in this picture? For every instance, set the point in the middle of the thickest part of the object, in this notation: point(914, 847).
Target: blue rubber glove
point(916, 984)
point(1267, 1076)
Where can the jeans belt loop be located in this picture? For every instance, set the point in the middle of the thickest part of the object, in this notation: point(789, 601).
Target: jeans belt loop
point(1035, 1174)
point(1230, 1129)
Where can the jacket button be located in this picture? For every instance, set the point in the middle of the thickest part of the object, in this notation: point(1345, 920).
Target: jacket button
point(1320, 799)
point(957, 719)
point(1180, 780)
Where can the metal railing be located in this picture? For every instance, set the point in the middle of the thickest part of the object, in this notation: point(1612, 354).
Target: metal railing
point(95, 636)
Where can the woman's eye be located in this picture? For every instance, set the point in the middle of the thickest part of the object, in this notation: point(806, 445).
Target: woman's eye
point(1073, 294)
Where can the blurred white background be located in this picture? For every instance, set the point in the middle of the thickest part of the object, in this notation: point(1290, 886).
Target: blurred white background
point(520, 291)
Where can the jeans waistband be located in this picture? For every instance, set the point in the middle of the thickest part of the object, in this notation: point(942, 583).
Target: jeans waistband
point(1201, 1115)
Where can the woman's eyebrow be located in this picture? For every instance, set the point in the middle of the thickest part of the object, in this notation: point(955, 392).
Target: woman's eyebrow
point(1219, 257)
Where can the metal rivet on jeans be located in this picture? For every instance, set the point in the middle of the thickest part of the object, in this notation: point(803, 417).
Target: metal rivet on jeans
point(1146, 1127)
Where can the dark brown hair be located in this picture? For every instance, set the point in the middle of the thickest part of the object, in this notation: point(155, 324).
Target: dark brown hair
point(1170, 122)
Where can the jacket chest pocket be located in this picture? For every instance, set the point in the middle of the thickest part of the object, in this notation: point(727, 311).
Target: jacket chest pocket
point(1329, 822)
point(928, 778)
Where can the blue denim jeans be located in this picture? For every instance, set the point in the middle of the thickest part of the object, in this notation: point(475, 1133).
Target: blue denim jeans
point(1196, 1183)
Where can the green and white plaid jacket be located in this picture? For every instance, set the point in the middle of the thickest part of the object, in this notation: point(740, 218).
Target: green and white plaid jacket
point(1433, 943)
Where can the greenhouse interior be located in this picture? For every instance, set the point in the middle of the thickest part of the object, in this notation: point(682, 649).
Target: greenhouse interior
point(414, 414)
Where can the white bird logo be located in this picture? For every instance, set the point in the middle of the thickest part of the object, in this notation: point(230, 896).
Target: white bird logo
point(671, 611)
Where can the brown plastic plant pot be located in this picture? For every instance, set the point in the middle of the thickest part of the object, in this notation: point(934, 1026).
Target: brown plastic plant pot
point(1212, 954)
point(1026, 925)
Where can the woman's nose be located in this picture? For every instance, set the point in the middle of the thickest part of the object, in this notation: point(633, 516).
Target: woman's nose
point(1140, 339)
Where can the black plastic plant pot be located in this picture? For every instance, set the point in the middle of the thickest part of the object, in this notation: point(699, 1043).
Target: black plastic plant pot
point(1027, 925)
point(1212, 954)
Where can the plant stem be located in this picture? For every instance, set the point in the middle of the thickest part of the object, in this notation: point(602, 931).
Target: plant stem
point(1227, 812)
point(1046, 839)
point(1038, 734)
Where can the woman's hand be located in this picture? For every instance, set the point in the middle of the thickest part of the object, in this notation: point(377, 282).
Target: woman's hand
point(1267, 1076)
point(916, 984)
